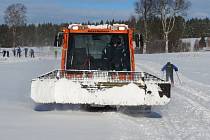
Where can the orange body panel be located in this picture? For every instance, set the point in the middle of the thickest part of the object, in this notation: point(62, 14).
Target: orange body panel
point(129, 32)
point(64, 50)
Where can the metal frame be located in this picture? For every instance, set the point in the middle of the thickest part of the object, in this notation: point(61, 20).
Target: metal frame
point(108, 76)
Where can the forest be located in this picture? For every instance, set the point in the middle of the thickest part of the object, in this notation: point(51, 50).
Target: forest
point(161, 31)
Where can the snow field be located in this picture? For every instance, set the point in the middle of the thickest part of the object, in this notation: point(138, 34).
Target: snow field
point(186, 117)
point(40, 53)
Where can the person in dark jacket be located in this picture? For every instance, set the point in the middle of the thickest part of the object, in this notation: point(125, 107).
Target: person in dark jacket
point(113, 54)
point(169, 68)
point(19, 52)
point(7, 53)
point(32, 53)
point(117, 54)
point(4, 53)
point(14, 51)
point(26, 52)
point(55, 52)
point(106, 57)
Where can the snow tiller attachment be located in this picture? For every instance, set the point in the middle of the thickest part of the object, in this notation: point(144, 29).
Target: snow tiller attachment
point(100, 88)
point(98, 68)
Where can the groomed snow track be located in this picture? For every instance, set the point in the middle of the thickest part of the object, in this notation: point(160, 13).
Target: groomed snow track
point(187, 116)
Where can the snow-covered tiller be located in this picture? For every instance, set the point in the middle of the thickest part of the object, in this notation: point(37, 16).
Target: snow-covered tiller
point(97, 68)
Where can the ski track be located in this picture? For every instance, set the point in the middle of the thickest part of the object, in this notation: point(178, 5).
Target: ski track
point(195, 119)
point(193, 99)
point(193, 87)
point(162, 129)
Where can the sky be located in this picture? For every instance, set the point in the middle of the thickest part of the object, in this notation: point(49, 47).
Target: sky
point(59, 11)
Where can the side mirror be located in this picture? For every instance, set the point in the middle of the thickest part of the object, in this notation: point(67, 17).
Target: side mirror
point(58, 39)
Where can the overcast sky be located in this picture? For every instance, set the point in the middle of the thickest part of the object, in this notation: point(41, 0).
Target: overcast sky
point(58, 11)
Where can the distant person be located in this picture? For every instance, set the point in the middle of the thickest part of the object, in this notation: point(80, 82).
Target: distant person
point(55, 52)
point(7, 53)
point(19, 52)
point(106, 57)
point(4, 53)
point(26, 52)
point(14, 51)
point(169, 68)
point(32, 53)
point(117, 54)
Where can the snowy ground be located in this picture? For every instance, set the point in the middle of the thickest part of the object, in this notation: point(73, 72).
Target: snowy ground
point(187, 116)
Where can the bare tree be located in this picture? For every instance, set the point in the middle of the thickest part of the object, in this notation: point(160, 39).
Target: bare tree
point(15, 15)
point(168, 10)
point(144, 9)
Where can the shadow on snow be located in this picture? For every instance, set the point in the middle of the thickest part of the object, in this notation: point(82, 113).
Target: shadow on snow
point(133, 111)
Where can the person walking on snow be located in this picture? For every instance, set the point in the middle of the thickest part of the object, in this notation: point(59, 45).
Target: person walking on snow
point(14, 51)
point(26, 52)
point(19, 52)
point(169, 68)
point(32, 53)
point(7, 53)
point(55, 52)
point(4, 53)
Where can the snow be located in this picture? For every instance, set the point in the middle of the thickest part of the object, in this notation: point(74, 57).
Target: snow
point(47, 87)
point(70, 91)
point(105, 26)
point(65, 91)
point(187, 116)
point(40, 53)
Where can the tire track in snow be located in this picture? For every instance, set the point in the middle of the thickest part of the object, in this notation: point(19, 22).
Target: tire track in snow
point(152, 67)
point(196, 118)
point(197, 92)
point(196, 108)
point(188, 118)
point(194, 94)
point(141, 127)
point(125, 130)
point(188, 92)
point(201, 109)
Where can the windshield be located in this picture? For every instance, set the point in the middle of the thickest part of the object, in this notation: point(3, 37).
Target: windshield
point(98, 52)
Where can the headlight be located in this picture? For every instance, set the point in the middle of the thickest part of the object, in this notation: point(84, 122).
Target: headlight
point(75, 27)
point(121, 28)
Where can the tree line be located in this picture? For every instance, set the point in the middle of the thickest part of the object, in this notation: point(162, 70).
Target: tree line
point(43, 34)
point(28, 35)
point(37, 35)
point(161, 23)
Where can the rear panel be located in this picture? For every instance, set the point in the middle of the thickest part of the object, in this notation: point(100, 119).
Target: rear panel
point(96, 40)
